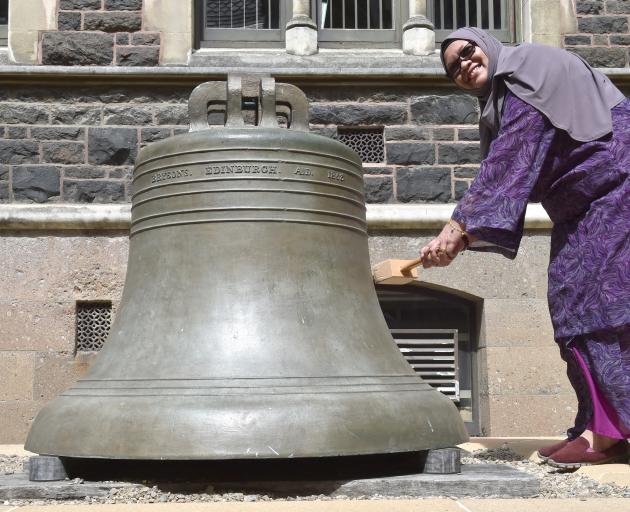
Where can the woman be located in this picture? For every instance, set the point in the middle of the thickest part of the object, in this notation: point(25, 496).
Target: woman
point(555, 131)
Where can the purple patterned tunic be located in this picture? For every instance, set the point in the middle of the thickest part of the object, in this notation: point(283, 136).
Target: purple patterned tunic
point(585, 189)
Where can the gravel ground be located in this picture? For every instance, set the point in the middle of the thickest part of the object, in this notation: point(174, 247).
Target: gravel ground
point(554, 484)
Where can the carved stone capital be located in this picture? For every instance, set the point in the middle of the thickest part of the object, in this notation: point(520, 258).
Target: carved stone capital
point(301, 20)
point(301, 36)
point(418, 21)
point(418, 36)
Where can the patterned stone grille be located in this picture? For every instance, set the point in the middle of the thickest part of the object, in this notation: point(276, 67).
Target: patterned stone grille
point(367, 142)
point(93, 322)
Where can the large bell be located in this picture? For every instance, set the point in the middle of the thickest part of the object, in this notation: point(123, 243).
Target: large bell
point(249, 325)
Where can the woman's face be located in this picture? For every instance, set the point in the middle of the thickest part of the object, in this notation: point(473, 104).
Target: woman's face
point(468, 70)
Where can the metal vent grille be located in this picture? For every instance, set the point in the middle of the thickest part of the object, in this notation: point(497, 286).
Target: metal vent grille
point(432, 353)
point(367, 142)
point(93, 322)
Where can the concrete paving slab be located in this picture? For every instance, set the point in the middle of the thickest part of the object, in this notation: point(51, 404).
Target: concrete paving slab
point(608, 473)
point(18, 487)
point(439, 505)
point(474, 480)
point(564, 505)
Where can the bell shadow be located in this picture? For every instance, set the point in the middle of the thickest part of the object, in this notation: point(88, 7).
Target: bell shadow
point(286, 477)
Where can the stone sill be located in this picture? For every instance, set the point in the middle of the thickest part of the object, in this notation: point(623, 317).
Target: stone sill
point(387, 217)
point(211, 63)
point(396, 73)
point(177, 74)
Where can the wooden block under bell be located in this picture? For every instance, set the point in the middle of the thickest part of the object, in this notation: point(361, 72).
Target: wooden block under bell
point(396, 272)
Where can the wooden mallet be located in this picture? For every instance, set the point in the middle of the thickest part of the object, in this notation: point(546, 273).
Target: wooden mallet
point(396, 271)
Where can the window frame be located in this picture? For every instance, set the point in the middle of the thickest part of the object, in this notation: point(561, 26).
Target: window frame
point(353, 38)
point(507, 35)
point(335, 38)
point(240, 37)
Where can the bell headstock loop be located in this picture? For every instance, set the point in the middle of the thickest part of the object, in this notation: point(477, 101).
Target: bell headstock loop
point(271, 100)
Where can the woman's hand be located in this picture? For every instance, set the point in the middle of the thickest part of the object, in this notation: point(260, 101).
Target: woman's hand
point(443, 249)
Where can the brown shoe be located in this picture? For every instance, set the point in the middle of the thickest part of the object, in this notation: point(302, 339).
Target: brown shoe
point(547, 451)
point(578, 453)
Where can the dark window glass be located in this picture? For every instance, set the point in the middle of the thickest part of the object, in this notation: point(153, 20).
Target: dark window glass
point(274, 13)
point(472, 12)
point(437, 9)
point(497, 15)
point(484, 15)
point(461, 14)
point(350, 15)
point(387, 15)
point(448, 15)
point(250, 14)
point(4, 12)
point(357, 14)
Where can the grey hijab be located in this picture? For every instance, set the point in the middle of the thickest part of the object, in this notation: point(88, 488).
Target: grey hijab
point(561, 85)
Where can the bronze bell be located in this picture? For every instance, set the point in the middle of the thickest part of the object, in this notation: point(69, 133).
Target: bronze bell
point(249, 326)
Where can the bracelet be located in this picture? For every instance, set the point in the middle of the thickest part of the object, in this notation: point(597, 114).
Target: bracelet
point(463, 233)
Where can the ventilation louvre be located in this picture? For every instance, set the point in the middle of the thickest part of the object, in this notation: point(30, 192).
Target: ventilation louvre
point(433, 355)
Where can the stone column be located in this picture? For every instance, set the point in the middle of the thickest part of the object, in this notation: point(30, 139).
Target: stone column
point(301, 31)
point(546, 21)
point(26, 19)
point(418, 34)
point(174, 20)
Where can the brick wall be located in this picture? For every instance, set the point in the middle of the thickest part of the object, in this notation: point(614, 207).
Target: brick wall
point(603, 37)
point(78, 145)
point(100, 32)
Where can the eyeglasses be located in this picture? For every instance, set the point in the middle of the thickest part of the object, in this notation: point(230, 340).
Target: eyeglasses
point(464, 54)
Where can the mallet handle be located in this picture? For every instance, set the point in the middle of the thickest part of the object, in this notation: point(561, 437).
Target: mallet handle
point(412, 264)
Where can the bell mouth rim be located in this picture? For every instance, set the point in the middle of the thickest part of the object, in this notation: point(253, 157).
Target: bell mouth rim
point(225, 428)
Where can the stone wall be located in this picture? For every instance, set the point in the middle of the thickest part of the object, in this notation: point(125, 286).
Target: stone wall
point(100, 32)
point(78, 144)
point(41, 278)
point(603, 36)
point(43, 275)
point(63, 144)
